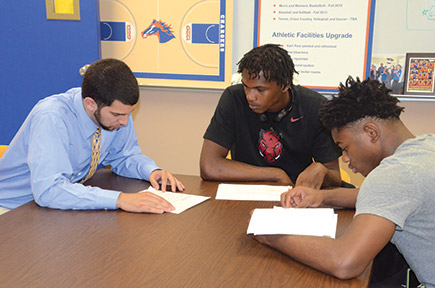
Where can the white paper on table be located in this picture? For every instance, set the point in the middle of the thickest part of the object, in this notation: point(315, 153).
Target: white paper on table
point(181, 201)
point(293, 221)
point(250, 192)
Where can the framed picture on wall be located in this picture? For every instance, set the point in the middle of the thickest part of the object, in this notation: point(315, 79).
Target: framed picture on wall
point(419, 74)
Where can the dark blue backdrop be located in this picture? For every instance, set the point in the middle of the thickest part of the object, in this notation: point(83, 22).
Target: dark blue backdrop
point(40, 57)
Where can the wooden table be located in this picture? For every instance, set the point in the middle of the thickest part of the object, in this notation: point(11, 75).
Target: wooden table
point(205, 246)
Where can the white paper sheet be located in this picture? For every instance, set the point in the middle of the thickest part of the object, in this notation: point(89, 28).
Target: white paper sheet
point(293, 221)
point(181, 201)
point(250, 192)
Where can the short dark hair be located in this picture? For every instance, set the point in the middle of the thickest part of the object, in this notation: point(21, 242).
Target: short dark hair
point(107, 80)
point(357, 100)
point(274, 61)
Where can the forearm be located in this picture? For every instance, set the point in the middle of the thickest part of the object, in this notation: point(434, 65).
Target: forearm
point(62, 194)
point(322, 253)
point(136, 166)
point(344, 257)
point(126, 157)
point(230, 170)
point(340, 197)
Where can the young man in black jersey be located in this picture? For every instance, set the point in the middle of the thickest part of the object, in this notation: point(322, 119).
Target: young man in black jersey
point(271, 127)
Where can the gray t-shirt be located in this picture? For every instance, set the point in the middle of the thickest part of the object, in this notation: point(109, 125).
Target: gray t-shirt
point(402, 190)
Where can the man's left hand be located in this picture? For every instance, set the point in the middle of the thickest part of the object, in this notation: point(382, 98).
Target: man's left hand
point(313, 176)
point(165, 178)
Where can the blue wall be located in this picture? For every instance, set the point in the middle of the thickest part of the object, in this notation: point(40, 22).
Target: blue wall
point(40, 57)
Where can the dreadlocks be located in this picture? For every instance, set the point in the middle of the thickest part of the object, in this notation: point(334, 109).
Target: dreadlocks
point(357, 100)
point(275, 63)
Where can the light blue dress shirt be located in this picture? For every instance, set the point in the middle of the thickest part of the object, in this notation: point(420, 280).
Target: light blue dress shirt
point(52, 152)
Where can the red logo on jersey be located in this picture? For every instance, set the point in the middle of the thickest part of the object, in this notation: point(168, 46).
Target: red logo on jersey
point(269, 145)
point(296, 119)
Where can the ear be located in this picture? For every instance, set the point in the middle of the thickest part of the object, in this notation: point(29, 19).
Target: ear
point(372, 130)
point(285, 88)
point(90, 104)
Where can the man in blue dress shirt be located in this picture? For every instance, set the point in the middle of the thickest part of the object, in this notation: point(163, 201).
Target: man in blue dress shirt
point(51, 153)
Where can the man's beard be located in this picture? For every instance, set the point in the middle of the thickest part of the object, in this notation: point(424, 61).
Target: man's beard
point(97, 115)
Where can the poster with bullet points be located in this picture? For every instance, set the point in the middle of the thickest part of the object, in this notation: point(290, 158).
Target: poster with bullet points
point(328, 40)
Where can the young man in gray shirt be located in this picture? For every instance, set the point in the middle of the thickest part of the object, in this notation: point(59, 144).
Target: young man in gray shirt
point(395, 202)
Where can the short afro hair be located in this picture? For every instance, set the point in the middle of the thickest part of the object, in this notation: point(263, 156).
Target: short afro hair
point(274, 61)
point(357, 100)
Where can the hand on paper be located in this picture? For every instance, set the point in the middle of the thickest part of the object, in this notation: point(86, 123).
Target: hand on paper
point(301, 197)
point(165, 178)
point(143, 202)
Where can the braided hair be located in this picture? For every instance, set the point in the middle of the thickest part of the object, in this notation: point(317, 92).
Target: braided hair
point(357, 100)
point(275, 63)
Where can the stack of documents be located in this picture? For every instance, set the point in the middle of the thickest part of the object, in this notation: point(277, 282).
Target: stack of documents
point(181, 201)
point(250, 192)
point(293, 221)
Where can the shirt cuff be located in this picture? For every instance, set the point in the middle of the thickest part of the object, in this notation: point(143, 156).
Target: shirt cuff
point(148, 170)
point(106, 199)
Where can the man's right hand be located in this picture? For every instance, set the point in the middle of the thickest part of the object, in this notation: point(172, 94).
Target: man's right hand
point(143, 202)
point(301, 197)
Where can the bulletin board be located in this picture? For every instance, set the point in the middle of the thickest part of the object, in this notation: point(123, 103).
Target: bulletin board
point(327, 39)
point(170, 43)
point(401, 28)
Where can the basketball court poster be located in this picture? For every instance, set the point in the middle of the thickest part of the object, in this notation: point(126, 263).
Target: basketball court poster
point(170, 43)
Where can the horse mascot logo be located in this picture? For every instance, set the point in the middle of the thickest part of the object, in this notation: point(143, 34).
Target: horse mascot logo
point(160, 29)
point(269, 145)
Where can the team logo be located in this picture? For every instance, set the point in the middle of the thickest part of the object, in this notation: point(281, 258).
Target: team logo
point(160, 29)
point(269, 145)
